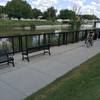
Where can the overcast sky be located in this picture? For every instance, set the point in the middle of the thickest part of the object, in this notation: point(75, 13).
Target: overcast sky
point(87, 6)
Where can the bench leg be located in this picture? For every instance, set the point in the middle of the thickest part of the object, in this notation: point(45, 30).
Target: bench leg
point(25, 56)
point(8, 63)
point(49, 52)
point(22, 57)
point(13, 63)
point(44, 52)
point(28, 59)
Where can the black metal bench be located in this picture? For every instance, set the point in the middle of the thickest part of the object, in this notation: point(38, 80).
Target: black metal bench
point(6, 58)
point(25, 52)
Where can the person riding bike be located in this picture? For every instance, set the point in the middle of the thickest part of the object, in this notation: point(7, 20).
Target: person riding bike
point(89, 39)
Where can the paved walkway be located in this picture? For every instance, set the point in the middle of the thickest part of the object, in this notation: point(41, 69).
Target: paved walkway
point(26, 78)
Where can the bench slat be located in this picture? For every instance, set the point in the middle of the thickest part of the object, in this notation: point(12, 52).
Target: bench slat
point(25, 52)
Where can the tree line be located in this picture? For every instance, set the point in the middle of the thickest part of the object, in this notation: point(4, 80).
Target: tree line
point(21, 9)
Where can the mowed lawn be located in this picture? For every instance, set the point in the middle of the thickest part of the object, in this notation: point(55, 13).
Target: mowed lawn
point(82, 83)
point(10, 23)
point(16, 27)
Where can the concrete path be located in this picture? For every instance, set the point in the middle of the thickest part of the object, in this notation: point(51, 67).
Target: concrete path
point(27, 78)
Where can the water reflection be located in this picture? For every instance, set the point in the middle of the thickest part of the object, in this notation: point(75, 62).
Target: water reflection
point(22, 32)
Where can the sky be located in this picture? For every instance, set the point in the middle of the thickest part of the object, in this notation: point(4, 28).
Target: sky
point(84, 6)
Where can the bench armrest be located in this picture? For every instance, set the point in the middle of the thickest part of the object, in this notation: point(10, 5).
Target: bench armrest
point(10, 55)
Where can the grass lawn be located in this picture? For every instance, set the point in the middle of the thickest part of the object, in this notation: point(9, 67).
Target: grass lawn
point(11, 23)
point(8, 27)
point(82, 83)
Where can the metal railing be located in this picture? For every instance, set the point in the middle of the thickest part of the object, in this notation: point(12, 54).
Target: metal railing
point(20, 42)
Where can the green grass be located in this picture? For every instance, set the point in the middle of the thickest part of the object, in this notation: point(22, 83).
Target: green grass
point(25, 23)
point(22, 32)
point(8, 27)
point(82, 83)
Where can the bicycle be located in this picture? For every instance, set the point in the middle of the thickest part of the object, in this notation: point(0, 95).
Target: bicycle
point(89, 42)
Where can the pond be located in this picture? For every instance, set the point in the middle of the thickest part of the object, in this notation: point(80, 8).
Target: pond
point(21, 31)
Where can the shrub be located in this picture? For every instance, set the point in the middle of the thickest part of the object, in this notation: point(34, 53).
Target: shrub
point(32, 26)
point(5, 45)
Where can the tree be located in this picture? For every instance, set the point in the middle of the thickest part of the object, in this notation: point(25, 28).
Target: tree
point(45, 15)
point(76, 21)
point(67, 14)
point(36, 13)
point(18, 9)
point(1, 9)
point(50, 14)
point(89, 17)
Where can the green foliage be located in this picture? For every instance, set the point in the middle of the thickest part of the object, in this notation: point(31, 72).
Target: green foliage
point(32, 26)
point(18, 9)
point(36, 13)
point(6, 45)
point(50, 14)
point(4, 23)
point(75, 20)
point(89, 17)
point(67, 14)
point(75, 23)
point(1, 9)
point(8, 27)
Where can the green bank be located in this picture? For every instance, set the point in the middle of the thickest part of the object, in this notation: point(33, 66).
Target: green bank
point(82, 83)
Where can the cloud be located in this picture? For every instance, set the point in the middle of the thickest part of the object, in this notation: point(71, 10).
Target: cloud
point(76, 2)
point(92, 8)
point(3, 2)
point(44, 4)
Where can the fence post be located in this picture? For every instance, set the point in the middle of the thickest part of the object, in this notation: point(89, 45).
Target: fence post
point(85, 36)
point(99, 35)
point(76, 36)
point(13, 45)
point(73, 37)
point(63, 38)
point(26, 42)
point(66, 34)
point(49, 42)
point(95, 35)
point(44, 38)
point(82, 38)
point(21, 45)
point(59, 40)
point(19, 38)
point(38, 40)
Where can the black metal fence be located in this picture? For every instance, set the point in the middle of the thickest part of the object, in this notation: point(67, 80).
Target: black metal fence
point(21, 42)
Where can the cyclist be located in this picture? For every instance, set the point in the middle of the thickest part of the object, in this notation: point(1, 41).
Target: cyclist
point(89, 40)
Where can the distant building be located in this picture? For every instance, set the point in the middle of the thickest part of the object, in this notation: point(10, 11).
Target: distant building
point(97, 24)
point(65, 21)
point(40, 17)
point(3, 16)
point(59, 20)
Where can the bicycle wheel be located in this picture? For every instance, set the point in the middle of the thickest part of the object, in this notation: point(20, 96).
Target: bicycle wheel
point(88, 44)
point(91, 42)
